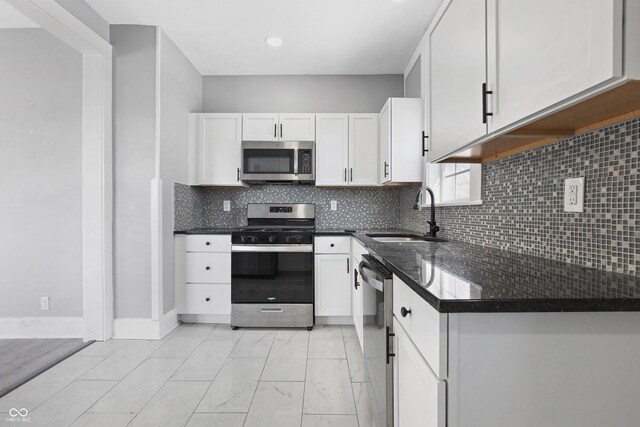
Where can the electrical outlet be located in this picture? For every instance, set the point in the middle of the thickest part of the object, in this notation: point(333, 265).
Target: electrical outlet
point(44, 303)
point(574, 194)
point(334, 205)
point(226, 205)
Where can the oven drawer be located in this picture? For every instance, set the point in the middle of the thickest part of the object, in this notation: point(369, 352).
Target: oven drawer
point(332, 244)
point(206, 299)
point(208, 267)
point(272, 315)
point(208, 243)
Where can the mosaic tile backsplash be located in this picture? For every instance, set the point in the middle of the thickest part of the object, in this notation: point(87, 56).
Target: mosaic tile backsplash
point(357, 207)
point(523, 209)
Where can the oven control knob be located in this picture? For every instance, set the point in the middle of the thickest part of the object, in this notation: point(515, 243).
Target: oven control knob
point(248, 239)
point(295, 239)
point(272, 239)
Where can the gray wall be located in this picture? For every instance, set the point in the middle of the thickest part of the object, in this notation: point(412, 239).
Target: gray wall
point(299, 94)
point(134, 75)
point(523, 210)
point(40, 175)
point(81, 10)
point(413, 82)
point(180, 94)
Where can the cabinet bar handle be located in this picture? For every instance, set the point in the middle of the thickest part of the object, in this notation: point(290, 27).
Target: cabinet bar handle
point(424, 149)
point(275, 130)
point(351, 174)
point(389, 354)
point(345, 174)
point(386, 166)
point(485, 92)
point(238, 174)
point(280, 130)
point(355, 278)
point(348, 269)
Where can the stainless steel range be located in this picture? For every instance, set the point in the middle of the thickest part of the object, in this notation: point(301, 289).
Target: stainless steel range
point(272, 267)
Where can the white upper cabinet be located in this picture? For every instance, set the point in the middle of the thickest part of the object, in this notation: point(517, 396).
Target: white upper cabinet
point(346, 150)
point(400, 145)
point(456, 72)
point(332, 149)
point(363, 149)
point(546, 51)
point(384, 151)
point(278, 127)
point(215, 149)
point(260, 127)
point(297, 127)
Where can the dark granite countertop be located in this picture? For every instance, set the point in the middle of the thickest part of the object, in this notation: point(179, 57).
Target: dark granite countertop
point(207, 231)
point(457, 277)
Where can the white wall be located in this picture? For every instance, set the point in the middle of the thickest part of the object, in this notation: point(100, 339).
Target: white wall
point(413, 82)
point(40, 175)
point(300, 94)
point(180, 94)
point(89, 17)
point(134, 65)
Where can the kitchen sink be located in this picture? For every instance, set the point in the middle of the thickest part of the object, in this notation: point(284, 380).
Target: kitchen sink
point(404, 238)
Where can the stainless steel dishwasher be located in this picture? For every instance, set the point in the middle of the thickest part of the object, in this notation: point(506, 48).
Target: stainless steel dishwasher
point(377, 342)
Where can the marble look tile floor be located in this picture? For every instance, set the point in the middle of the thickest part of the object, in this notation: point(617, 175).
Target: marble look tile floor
point(204, 375)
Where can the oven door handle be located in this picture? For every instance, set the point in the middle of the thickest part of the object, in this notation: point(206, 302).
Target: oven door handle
point(271, 248)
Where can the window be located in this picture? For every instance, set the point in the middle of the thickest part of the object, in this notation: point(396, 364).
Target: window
point(454, 183)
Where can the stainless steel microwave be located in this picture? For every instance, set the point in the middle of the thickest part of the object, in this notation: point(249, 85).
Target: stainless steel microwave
point(278, 162)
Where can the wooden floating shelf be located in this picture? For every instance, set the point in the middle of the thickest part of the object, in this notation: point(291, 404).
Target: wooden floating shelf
point(614, 106)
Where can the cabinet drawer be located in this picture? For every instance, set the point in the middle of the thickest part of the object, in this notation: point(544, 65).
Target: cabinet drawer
point(208, 267)
point(357, 250)
point(208, 243)
point(426, 327)
point(206, 299)
point(332, 245)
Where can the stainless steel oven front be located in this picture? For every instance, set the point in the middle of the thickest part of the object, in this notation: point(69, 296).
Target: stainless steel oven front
point(267, 161)
point(272, 285)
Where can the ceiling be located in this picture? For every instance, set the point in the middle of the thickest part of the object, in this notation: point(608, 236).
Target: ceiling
point(11, 18)
point(227, 37)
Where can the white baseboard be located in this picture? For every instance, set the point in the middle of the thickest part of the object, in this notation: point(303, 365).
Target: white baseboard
point(145, 328)
point(334, 320)
point(205, 318)
point(41, 327)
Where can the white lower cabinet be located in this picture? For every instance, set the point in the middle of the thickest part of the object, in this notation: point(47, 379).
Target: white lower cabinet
point(332, 285)
point(203, 275)
point(208, 267)
point(207, 299)
point(357, 300)
point(419, 396)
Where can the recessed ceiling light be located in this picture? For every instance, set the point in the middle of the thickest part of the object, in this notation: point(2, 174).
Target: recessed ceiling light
point(273, 41)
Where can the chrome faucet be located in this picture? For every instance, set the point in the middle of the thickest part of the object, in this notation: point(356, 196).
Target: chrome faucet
point(433, 228)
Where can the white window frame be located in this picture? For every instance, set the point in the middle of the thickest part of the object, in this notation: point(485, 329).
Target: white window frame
point(434, 178)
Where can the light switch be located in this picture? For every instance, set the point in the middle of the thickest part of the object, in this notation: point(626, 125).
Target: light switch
point(574, 195)
point(334, 205)
point(226, 205)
